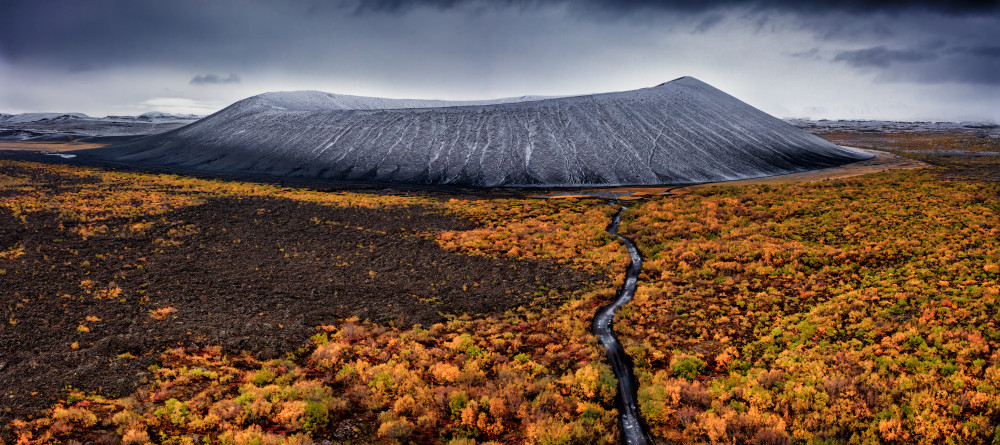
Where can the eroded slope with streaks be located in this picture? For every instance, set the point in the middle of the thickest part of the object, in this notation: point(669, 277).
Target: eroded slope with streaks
point(684, 131)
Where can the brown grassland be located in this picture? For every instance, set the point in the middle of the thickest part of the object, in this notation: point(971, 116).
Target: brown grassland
point(851, 310)
point(53, 147)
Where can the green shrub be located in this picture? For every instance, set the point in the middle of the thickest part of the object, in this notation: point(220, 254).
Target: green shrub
point(262, 377)
point(688, 367)
point(948, 370)
point(916, 342)
point(457, 401)
point(382, 382)
point(347, 372)
point(174, 411)
point(316, 417)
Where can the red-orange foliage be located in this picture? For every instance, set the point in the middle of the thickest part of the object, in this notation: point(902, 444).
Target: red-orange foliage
point(859, 309)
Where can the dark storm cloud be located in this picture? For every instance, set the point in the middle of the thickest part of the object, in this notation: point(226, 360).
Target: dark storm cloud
point(709, 22)
point(988, 51)
point(214, 79)
point(882, 57)
point(478, 48)
point(976, 64)
point(932, 64)
point(230, 34)
point(96, 34)
point(812, 54)
point(854, 6)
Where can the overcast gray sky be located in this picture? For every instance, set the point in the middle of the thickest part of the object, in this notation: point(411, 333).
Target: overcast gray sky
point(894, 59)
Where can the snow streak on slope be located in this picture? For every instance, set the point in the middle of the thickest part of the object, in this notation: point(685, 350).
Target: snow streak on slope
point(684, 131)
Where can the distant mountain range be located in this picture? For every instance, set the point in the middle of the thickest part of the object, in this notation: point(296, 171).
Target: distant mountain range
point(862, 125)
point(56, 126)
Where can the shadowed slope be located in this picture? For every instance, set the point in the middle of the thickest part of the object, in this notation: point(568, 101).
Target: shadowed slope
point(684, 131)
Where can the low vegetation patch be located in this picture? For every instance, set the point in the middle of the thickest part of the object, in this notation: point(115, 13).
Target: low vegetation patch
point(855, 310)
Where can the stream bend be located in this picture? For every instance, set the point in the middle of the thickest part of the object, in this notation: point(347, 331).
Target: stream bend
point(633, 430)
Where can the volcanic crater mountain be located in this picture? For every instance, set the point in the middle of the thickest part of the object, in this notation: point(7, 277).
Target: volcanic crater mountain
point(680, 132)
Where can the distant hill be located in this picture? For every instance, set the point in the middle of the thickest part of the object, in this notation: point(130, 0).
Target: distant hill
point(872, 126)
point(35, 117)
point(56, 126)
point(683, 131)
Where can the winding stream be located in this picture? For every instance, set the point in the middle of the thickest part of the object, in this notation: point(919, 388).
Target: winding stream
point(633, 431)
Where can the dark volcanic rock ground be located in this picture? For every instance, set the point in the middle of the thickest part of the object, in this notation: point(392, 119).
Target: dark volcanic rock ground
point(248, 274)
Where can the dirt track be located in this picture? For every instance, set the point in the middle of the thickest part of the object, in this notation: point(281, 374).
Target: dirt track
point(53, 147)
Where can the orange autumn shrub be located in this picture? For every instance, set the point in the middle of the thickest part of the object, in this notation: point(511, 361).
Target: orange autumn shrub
point(512, 381)
point(856, 310)
point(573, 232)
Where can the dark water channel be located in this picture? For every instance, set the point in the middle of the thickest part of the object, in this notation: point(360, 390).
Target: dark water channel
point(633, 429)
